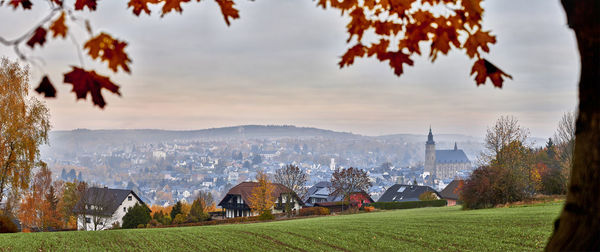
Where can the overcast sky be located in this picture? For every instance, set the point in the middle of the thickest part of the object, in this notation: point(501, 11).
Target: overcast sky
point(278, 65)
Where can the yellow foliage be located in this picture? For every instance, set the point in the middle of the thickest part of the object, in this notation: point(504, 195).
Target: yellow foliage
point(262, 198)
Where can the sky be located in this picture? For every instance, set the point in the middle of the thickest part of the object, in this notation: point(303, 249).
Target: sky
point(278, 65)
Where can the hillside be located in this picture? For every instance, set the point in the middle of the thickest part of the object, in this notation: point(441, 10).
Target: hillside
point(524, 228)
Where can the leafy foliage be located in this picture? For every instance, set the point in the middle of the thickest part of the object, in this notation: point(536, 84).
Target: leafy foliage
point(262, 199)
point(428, 195)
point(293, 178)
point(307, 211)
point(350, 180)
point(177, 209)
point(137, 215)
point(409, 204)
point(397, 31)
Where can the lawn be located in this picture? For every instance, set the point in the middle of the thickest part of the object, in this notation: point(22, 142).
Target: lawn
point(522, 228)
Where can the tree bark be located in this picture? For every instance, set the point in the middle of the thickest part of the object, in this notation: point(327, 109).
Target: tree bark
point(578, 226)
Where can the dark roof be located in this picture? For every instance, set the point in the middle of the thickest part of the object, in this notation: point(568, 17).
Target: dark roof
point(452, 190)
point(315, 188)
point(451, 156)
point(245, 190)
point(109, 199)
point(400, 193)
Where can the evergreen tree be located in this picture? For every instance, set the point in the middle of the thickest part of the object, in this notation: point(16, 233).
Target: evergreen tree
point(176, 210)
point(71, 175)
point(63, 174)
point(136, 215)
point(550, 149)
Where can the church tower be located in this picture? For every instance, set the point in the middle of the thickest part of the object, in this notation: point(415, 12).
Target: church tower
point(430, 154)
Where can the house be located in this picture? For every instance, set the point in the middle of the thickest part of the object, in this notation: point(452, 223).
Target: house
point(321, 195)
point(102, 208)
point(317, 193)
point(452, 191)
point(236, 200)
point(400, 193)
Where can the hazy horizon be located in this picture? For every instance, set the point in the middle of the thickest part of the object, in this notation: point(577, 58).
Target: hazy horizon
point(191, 71)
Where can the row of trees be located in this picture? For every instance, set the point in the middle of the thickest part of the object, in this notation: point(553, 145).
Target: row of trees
point(513, 171)
point(49, 205)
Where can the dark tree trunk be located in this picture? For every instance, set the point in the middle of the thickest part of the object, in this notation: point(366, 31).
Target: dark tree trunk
point(578, 227)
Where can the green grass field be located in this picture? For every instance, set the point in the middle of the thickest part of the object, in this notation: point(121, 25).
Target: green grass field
point(521, 228)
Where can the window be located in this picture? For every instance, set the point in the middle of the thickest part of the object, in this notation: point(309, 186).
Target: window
point(88, 220)
point(124, 209)
point(129, 197)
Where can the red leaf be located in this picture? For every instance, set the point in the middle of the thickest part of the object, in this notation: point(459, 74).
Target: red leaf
point(228, 10)
point(39, 37)
point(46, 88)
point(89, 81)
point(397, 59)
point(26, 4)
point(80, 4)
point(485, 69)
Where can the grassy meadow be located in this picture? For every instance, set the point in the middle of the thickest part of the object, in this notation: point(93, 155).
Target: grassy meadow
point(520, 228)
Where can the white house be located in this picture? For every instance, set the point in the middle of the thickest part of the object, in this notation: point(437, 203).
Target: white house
point(102, 208)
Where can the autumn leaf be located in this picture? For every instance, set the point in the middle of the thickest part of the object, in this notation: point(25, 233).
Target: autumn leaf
point(58, 2)
point(85, 82)
point(39, 37)
point(110, 50)
point(80, 4)
point(358, 24)
point(172, 5)
point(141, 5)
point(484, 69)
point(228, 10)
point(348, 58)
point(477, 40)
point(58, 27)
point(46, 88)
point(26, 4)
point(397, 59)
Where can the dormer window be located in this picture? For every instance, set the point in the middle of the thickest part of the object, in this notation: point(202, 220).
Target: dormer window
point(129, 197)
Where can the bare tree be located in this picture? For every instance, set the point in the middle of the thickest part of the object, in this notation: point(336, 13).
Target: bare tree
point(505, 131)
point(347, 181)
point(293, 178)
point(95, 208)
point(565, 141)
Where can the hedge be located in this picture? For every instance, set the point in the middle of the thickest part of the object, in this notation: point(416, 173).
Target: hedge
point(307, 211)
point(409, 204)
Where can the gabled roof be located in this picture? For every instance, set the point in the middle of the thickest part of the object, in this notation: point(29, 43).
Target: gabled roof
point(452, 190)
point(451, 156)
point(108, 199)
point(322, 185)
point(401, 193)
point(244, 189)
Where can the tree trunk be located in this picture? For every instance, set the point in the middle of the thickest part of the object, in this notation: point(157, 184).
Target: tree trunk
point(579, 223)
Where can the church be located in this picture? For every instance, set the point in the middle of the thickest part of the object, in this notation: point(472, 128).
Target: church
point(444, 164)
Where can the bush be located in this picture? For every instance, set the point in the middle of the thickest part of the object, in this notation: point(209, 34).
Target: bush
point(6, 225)
point(409, 204)
point(141, 226)
point(136, 215)
point(179, 218)
point(369, 209)
point(266, 215)
point(307, 211)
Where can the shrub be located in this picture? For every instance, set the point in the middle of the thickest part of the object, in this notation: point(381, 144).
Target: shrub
point(266, 215)
point(369, 209)
point(179, 218)
point(136, 215)
point(428, 195)
point(141, 226)
point(409, 204)
point(6, 225)
point(307, 211)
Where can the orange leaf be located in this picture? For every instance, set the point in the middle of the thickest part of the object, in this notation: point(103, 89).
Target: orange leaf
point(348, 58)
point(39, 37)
point(110, 50)
point(26, 4)
point(485, 69)
point(228, 10)
point(171, 5)
point(58, 27)
point(89, 81)
point(140, 5)
point(46, 88)
point(397, 59)
point(80, 4)
point(478, 40)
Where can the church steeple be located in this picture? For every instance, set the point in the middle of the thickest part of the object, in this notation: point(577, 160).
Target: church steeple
point(430, 137)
